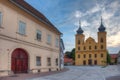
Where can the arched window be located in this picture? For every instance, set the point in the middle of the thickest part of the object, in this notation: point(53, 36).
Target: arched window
point(101, 46)
point(89, 47)
point(84, 56)
point(78, 41)
point(101, 55)
point(95, 47)
point(78, 48)
point(89, 55)
point(95, 55)
point(78, 55)
point(101, 40)
point(84, 48)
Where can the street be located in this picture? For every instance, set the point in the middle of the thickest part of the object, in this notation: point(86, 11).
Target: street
point(83, 73)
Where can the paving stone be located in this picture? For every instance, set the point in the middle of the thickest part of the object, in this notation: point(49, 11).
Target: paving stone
point(84, 73)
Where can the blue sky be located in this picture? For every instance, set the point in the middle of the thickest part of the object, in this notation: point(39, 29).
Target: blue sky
point(65, 15)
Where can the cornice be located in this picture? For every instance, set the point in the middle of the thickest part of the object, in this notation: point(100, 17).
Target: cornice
point(5, 37)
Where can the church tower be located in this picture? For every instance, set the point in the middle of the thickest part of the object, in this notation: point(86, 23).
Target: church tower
point(102, 42)
point(79, 42)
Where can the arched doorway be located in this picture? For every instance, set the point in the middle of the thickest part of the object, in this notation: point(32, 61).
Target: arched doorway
point(19, 61)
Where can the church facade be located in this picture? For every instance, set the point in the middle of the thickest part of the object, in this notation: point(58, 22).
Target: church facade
point(90, 52)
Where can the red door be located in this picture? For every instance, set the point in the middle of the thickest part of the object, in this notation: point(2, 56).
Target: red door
point(19, 61)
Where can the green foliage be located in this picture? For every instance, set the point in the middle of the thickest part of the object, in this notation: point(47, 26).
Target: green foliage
point(71, 54)
point(108, 58)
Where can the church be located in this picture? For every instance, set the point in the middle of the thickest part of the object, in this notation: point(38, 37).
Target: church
point(90, 52)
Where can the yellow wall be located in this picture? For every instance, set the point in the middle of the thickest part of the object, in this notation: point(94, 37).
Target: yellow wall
point(90, 42)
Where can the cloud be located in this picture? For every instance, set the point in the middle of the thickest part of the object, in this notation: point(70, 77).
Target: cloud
point(78, 14)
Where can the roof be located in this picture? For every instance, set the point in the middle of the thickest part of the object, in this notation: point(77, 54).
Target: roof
point(101, 28)
point(35, 13)
point(80, 31)
point(113, 56)
point(68, 60)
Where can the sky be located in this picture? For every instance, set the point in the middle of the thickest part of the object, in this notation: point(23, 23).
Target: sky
point(65, 15)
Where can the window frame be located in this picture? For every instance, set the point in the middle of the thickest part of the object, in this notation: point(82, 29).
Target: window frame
point(22, 27)
point(78, 47)
point(38, 62)
point(78, 41)
point(102, 55)
point(49, 39)
point(38, 32)
point(56, 61)
point(48, 61)
point(57, 42)
point(78, 55)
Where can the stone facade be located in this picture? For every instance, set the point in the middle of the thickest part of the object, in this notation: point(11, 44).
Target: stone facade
point(41, 55)
point(90, 52)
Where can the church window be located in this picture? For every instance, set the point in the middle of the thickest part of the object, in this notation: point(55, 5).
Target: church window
point(95, 55)
point(101, 46)
point(95, 47)
point(84, 48)
point(84, 62)
point(89, 55)
point(84, 56)
point(78, 41)
point(101, 55)
point(78, 48)
point(78, 56)
point(101, 40)
point(89, 47)
point(95, 62)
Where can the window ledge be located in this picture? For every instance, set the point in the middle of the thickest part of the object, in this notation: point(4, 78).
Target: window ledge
point(38, 40)
point(48, 43)
point(21, 34)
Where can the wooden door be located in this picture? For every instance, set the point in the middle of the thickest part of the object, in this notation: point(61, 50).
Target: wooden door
point(19, 61)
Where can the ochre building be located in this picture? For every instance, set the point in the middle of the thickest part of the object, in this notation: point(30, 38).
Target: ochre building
point(29, 42)
point(90, 52)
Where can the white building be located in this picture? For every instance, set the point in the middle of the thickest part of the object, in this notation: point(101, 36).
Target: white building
point(62, 48)
point(28, 41)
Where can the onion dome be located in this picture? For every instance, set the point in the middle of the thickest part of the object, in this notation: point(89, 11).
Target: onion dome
point(79, 31)
point(101, 28)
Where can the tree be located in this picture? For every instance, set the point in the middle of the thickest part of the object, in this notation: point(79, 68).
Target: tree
point(108, 58)
point(71, 54)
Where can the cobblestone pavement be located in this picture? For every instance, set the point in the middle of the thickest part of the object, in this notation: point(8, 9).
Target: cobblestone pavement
point(83, 73)
point(30, 75)
point(115, 77)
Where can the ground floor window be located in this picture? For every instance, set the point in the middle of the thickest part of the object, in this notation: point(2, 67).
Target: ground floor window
point(38, 61)
point(84, 62)
point(56, 61)
point(49, 61)
point(95, 62)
